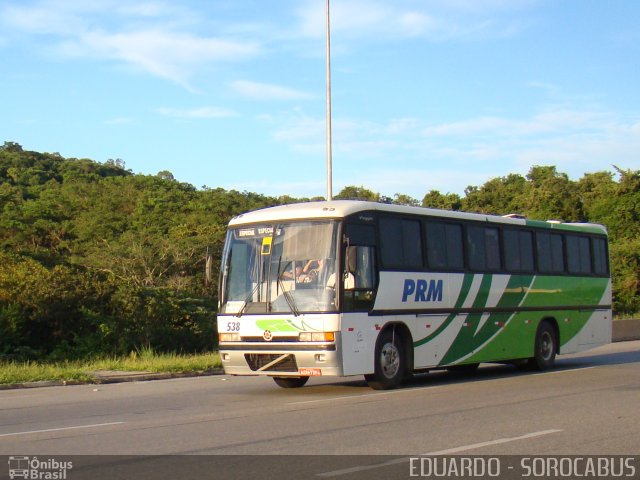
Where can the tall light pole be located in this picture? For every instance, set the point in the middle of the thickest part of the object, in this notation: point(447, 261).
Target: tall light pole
point(329, 159)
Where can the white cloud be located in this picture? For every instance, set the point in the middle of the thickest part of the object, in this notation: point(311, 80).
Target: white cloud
point(406, 156)
point(150, 36)
point(266, 91)
point(375, 19)
point(417, 182)
point(416, 23)
point(548, 87)
point(483, 5)
point(40, 19)
point(292, 188)
point(298, 128)
point(556, 122)
point(357, 18)
point(202, 112)
point(174, 56)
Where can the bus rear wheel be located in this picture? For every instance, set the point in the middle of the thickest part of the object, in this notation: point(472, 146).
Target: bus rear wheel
point(545, 349)
point(390, 362)
point(290, 382)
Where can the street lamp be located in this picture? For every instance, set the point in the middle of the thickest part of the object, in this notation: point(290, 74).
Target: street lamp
point(329, 159)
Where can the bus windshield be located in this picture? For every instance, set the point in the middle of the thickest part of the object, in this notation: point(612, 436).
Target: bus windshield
point(279, 268)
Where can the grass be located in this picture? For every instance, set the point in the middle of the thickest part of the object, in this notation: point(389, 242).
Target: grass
point(81, 371)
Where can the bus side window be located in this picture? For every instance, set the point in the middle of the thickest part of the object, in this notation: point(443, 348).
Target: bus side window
point(360, 272)
point(600, 258)
point(483, 247)
point(444, 246)
point(550, 253)
point(359, 278)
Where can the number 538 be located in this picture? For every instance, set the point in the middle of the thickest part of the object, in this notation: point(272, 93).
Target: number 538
point(233, 326)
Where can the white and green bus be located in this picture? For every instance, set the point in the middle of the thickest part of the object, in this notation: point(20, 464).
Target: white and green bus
point(358, 288)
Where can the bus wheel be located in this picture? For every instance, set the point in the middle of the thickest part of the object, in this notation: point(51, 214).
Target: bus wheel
point(290, 382)
point(390, 362)
point(544, 354)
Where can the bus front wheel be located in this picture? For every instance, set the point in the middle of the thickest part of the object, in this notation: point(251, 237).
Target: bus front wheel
point(290, 382)
point(545, 349)
point(390, 362)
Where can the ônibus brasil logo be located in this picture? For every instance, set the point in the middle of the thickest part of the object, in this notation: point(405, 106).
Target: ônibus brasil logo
point(38, 469)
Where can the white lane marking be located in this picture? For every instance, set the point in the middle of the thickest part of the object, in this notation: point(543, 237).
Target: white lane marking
point(61, 429)
point(437, 387)
point(376, 394)
point(346, 397)
point(450, 451)
point(568, 369)
point(499, 441)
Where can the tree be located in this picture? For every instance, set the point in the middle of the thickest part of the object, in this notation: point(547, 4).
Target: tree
point(402, 199)
point(625, 261)
point(498, 196)
point(625, 211)
point(165, 175)
point(357, 193)
point(597, 193)
point(11, 147)
point(550, 195)
point(448, 201)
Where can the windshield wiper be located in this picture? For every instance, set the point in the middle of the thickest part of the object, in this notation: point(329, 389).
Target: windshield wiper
point(246, 300)
point(287, 295)
point(289, 299)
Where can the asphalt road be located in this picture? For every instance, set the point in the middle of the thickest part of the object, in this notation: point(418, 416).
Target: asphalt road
point(589, 404)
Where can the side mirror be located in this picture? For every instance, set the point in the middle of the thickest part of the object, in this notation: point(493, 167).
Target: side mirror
point(208, 268)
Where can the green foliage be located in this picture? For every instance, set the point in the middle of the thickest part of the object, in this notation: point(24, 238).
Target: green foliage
point(95, 260)
point(435, 199)
point(625, 258)
point(498, 196)
point(402, 199)
point(42, 309)
point(357, 193)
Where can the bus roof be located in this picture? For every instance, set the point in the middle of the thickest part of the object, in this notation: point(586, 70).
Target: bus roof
point(337, 209)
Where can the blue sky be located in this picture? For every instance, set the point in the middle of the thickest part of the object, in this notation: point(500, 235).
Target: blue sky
point(427, 94)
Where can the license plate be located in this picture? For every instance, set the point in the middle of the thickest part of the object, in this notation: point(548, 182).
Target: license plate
point(310, 372)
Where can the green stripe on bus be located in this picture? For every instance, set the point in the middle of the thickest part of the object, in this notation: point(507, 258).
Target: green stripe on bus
point(472, 334)
point(462, 296)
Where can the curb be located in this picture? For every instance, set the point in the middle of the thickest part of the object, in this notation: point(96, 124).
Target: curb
point(106, 377)
point(625, 330)
point(123, 376)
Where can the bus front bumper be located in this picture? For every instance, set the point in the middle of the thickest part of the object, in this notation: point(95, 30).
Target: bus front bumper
point(281, 360)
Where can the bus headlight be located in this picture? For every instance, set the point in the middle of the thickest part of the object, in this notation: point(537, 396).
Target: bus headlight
point(316, 337)
point(229, 337)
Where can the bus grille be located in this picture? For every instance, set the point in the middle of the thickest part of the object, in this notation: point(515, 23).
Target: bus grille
point(280, 363)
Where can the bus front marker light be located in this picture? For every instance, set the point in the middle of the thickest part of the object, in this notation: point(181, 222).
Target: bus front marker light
point(304, 336)
point(316, 337)
point(322, 337)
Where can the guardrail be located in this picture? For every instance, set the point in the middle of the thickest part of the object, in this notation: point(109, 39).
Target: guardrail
point(625, 330)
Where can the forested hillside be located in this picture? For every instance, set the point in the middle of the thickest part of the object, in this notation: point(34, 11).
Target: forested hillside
point(95, 259)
